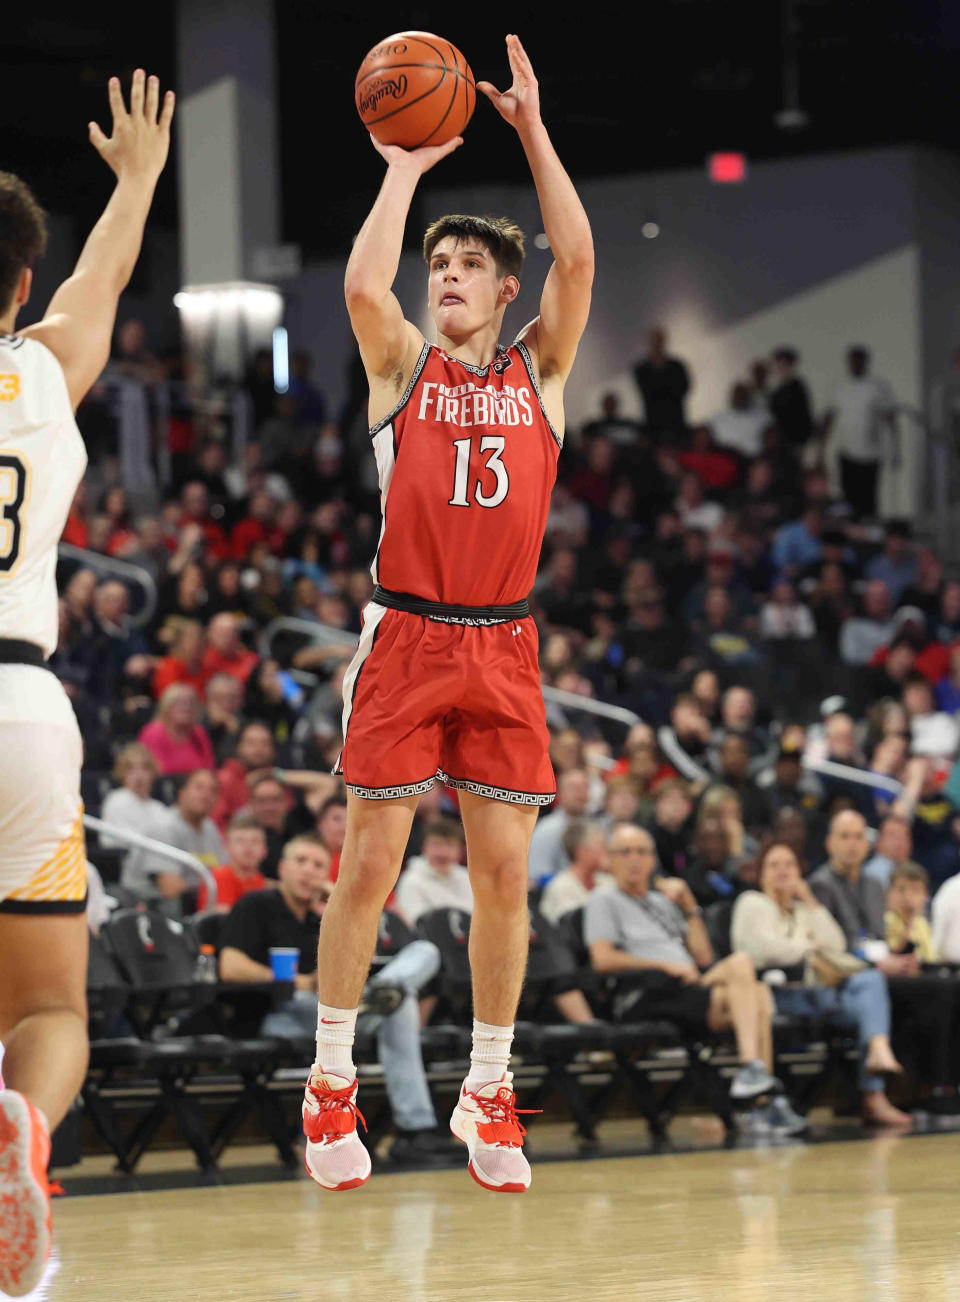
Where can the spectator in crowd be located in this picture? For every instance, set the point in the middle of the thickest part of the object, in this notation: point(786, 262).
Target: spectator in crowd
point(862, 412)
point(896, 565)
point(124, 647)
point(783, 925)
point(948, 688)
point(624, 802)
point(547, 855)
point(332, 826)
point(741, 426)
point(799, 543)
point(738, 717)
point(290, 917)
point(131, 807)
point(272, 806)
point(436, 878)
point(223, 712)
point(786, 785)
point(907, 928)
point(789, 400)
point(696, 511)
point(711, 871)
point(733, 765)
point(584, 844)
point(183, 662)
point(161, 881)
point(672, 825)
point(634, 928)
point(246, 851)
point(784, 616)
point(664, 383)
point(225, 653)
point(175, 736)
point(255, 753)
point(933, 733)
point(188, 824)
point(923, 1006)
point(684, 742)
point(612, 424)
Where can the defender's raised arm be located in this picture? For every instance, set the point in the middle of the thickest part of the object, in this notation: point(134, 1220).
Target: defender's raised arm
point(78, 324)
point(375, 314)
point(565, 303)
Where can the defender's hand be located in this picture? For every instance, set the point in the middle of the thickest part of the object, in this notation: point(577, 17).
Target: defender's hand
point(520, 105)
point(416, 160)
point(140, 140)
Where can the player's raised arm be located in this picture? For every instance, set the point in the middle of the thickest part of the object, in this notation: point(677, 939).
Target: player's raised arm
point(375, 314)
point(78, 323)
point(565, 303)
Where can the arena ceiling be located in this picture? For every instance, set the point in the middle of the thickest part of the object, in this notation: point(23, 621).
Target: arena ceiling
point(624, 88)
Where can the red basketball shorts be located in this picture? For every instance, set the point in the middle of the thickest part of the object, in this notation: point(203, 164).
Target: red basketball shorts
point(426, 700)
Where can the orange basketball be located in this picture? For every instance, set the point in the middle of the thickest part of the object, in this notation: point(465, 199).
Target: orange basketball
point(415, 89)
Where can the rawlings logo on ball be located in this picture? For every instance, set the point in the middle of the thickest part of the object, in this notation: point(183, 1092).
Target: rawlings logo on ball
point(394, 88)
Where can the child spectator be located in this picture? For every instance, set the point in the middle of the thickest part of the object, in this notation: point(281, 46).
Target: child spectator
point(905, 921)
point(246, 851)
point(436, 878)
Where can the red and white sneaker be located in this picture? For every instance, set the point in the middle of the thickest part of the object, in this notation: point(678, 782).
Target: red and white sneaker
point(335, 1156)
point(26, 1226)
point(486, 1121)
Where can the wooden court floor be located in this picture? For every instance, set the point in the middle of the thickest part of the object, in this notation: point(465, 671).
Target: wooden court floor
point(875, 1220)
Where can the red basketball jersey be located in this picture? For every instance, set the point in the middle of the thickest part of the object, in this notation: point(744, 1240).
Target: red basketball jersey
point(467, 461)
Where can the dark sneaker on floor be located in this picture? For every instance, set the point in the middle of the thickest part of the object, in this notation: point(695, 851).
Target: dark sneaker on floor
point(782, 1118)
point(753, 1080)
point(425, 1148)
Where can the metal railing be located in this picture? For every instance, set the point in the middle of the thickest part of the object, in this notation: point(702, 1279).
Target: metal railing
point(139, 842)
point(124, 571)
point(319, 634)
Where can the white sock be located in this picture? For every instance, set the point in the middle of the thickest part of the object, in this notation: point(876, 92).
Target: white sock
point(490, 1055)
point(335, 1031)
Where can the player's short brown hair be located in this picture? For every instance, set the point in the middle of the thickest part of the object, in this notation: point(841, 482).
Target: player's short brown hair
point(500, 235)
point(23, 233)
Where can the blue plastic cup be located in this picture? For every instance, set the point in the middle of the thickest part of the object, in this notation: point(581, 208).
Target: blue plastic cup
point(284, 963)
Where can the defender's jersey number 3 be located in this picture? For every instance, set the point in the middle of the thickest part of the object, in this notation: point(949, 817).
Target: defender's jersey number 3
point(494, 444)
point(13, 490)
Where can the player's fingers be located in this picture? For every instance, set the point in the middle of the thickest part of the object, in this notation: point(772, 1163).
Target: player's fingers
point(153, 99)
point(450, 146)
point(117, 107)
point(136, 93)
point(166, 113)
point(97, 138)
point(487, 88)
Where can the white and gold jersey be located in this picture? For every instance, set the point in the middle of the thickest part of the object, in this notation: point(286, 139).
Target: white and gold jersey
point(42, 460)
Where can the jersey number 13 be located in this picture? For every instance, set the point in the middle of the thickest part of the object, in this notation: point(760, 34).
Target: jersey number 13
point(494, 444)
point(13, 490)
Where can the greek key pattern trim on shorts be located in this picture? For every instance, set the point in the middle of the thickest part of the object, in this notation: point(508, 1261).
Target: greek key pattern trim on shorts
point(498, 793)
point(393, 793)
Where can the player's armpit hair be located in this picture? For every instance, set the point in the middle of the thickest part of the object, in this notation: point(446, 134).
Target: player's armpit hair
point(500, 235)
point(23, 233)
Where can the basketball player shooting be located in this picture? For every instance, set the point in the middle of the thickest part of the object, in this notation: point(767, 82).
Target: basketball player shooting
point(445, 684)
point(45, 371)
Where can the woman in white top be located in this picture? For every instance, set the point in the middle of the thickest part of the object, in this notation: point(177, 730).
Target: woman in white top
point(131, 807)
point(783, 924)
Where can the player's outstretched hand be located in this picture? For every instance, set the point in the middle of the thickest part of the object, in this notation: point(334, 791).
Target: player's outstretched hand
point(139, 140)
point(417, 160)
point(520, 105)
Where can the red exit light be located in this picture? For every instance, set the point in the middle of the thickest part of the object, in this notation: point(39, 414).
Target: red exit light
point(727, 169)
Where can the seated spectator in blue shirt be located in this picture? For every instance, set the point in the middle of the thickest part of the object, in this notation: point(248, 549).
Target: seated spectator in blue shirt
point(798, 543)
point(896, 564)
